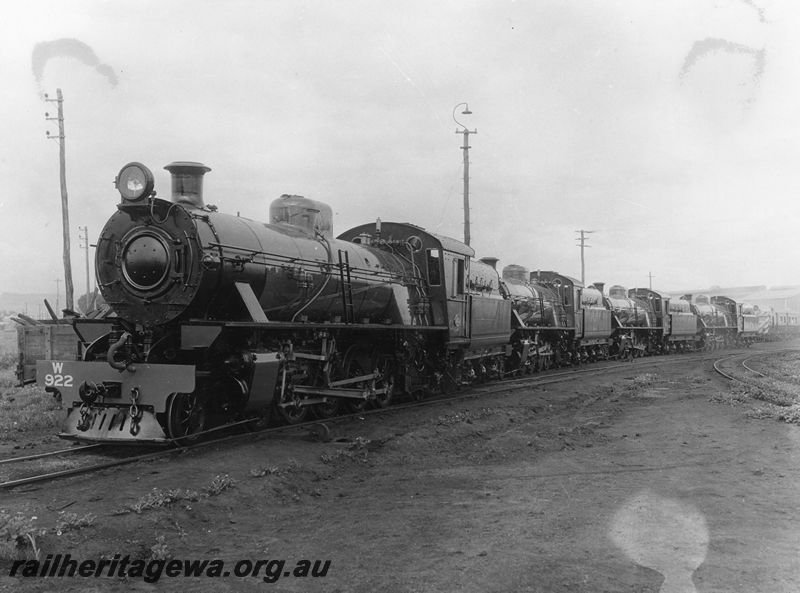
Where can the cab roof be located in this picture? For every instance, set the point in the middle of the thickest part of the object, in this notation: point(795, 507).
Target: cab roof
point(403, 230)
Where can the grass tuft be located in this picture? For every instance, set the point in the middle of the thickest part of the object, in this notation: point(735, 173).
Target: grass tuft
point(158, 498)
point(218, 485)
point(18, 536)
point(72, 522)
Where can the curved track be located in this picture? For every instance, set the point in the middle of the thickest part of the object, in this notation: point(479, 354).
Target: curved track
point(752, 370)
point(742, 359)
point(717, 366)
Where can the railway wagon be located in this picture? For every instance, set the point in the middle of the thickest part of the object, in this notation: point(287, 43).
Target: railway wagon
point(41, 341)
point(783, 325)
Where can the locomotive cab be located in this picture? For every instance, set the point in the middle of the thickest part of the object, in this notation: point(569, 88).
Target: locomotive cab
point(568, 290)
point(673, 316)
point(441, 261)
point(463, 294)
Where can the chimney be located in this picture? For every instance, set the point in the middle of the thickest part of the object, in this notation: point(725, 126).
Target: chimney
point(599, 286)
point(187, 182)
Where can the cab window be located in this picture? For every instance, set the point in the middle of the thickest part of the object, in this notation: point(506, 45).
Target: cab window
point(459, 277)
point(434, 262)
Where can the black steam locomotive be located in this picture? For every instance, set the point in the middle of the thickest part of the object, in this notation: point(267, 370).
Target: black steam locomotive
point(220, 318)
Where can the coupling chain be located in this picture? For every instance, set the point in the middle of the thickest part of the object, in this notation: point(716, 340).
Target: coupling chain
point(134, 412)
point(85, 422)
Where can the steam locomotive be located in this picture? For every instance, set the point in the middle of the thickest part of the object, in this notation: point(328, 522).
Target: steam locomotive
point(221, 318)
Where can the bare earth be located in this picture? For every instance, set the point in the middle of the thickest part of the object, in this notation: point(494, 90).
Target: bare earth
point(630, 481)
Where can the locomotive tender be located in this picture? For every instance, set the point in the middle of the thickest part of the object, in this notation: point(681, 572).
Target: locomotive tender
point(222, 318)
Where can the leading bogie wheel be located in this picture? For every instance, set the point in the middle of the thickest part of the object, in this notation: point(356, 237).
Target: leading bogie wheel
point(383, 400)
point(293, 414)
point(329, 409)
point(186, 417)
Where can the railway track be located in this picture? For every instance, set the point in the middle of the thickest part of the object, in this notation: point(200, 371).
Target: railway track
point(50, 453)
point(741, 360)
point(110, 456)
point(752, 370)
point(21, 474)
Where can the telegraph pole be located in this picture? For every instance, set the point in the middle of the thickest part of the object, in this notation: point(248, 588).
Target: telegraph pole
point(465, 147)
point(582, 244)
point(650, 275)
point(85, 245)
point(58, 290)
point(64, 205)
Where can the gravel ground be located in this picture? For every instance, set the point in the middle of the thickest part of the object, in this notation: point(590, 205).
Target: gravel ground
point(644, 479)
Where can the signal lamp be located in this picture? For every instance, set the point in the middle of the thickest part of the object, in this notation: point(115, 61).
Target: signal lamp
point(134, 182)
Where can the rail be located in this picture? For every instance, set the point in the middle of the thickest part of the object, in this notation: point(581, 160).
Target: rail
point(321, 427)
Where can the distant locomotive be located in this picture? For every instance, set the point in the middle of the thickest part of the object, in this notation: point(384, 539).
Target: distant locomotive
point(221, 318)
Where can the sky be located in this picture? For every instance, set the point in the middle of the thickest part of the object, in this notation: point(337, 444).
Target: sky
point(670, 129)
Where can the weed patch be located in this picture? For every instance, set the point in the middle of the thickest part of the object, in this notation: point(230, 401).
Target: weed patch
point(218, 485)
point(158, 498)
point(160, 549)
point(790, 414)
point(72, 522)
point(26, 408)
point(272, 470)
point(18, 536)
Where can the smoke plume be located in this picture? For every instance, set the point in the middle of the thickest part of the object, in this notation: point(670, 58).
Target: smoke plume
point(68, 48)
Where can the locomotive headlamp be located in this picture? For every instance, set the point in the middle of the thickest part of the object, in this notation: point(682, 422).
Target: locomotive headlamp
point(134, 182)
